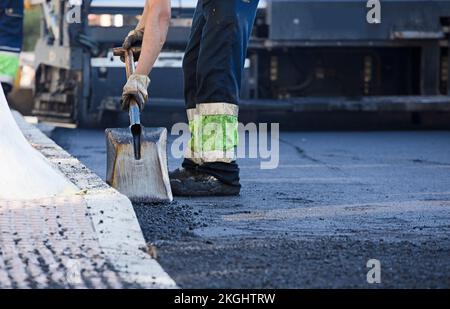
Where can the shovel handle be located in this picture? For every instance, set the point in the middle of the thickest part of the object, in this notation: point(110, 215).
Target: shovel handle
point(130, 66)
point(128, 56)
point(120, 51)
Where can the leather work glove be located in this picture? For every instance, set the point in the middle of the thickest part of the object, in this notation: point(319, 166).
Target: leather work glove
point(134, 38)
point(135, 88)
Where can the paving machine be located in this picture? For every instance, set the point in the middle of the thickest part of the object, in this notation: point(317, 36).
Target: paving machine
point(306, 56)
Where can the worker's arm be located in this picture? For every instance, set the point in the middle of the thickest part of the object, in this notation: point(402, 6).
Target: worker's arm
point(152, 30)
point(136, 35)
point(141, 23)
point(156, 25)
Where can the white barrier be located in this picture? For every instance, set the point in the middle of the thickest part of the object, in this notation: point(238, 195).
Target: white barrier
point(24, 172)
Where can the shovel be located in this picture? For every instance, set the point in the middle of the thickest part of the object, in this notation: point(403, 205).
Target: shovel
point(137, 156)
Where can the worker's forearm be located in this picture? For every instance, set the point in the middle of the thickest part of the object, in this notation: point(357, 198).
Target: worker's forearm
point(141, 23)
point(156, 27)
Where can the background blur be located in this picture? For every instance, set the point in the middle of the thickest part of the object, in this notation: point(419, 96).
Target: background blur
point(322, 64)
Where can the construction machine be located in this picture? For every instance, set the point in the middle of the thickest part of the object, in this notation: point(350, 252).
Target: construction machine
point(305, 56)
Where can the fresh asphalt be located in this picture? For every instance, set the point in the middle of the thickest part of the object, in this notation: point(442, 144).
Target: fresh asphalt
point(336, 200)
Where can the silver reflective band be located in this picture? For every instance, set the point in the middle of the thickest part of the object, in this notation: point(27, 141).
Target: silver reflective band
point(206, 109)
point(9, 49)
point(210, 156)
point(191, 112)
point(6, 79)
point(9, 53)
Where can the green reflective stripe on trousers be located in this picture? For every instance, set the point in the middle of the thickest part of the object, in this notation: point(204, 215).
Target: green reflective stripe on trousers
point(9, 63)
point(213, 133)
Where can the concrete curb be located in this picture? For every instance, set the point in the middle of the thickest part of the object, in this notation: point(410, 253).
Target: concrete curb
point(110, 213)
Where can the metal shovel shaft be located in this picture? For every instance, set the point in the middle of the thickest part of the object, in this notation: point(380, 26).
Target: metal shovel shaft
point(134, 111)
point(136, 129)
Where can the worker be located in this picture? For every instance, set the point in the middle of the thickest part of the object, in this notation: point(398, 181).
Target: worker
point(11, 27)
point(212, 66)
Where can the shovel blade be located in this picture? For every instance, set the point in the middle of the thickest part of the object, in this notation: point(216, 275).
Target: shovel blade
point(145, 180)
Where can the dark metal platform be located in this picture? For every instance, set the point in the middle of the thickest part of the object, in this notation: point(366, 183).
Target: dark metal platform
point(366, 113)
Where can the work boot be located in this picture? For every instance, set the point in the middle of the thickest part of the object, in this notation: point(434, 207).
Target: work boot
point(192, 183)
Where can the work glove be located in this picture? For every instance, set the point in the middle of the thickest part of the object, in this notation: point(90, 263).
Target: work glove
point(135, 88)
point(134, 38)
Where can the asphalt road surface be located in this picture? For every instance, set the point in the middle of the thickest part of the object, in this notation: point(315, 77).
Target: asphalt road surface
point(337, 200)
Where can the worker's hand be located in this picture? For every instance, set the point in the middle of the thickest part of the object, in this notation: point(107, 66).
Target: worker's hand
point(134, 38)
point(135, 88)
